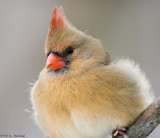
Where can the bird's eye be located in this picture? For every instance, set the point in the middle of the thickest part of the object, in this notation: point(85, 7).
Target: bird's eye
point(69, 50)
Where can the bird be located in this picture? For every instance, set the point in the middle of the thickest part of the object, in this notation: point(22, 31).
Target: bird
point(82, 92)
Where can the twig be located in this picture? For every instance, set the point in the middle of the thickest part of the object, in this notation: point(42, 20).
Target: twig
point(146, 122)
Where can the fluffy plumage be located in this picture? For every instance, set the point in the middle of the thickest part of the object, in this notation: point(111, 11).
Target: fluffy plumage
point(92, 95)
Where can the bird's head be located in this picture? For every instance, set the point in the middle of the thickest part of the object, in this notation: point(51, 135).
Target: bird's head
point(69, 49)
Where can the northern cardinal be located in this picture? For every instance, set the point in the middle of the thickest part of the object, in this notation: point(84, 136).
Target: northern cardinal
point(81, 92)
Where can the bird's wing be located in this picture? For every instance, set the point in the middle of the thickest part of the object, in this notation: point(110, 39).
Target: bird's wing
point(112, 98)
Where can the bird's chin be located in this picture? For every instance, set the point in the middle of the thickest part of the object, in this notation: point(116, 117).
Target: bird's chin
point(58, 72)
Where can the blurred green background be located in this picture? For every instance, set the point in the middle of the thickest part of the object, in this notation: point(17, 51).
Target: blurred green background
point(127, 28)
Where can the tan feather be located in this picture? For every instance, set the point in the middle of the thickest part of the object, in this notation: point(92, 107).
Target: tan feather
point(94, 96)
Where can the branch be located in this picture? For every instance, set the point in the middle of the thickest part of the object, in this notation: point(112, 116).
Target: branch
point(146, 122)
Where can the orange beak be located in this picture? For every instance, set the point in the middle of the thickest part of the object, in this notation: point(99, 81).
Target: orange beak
point(55, 62)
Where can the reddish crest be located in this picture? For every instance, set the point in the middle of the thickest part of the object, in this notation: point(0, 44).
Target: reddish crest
point(57, 18)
